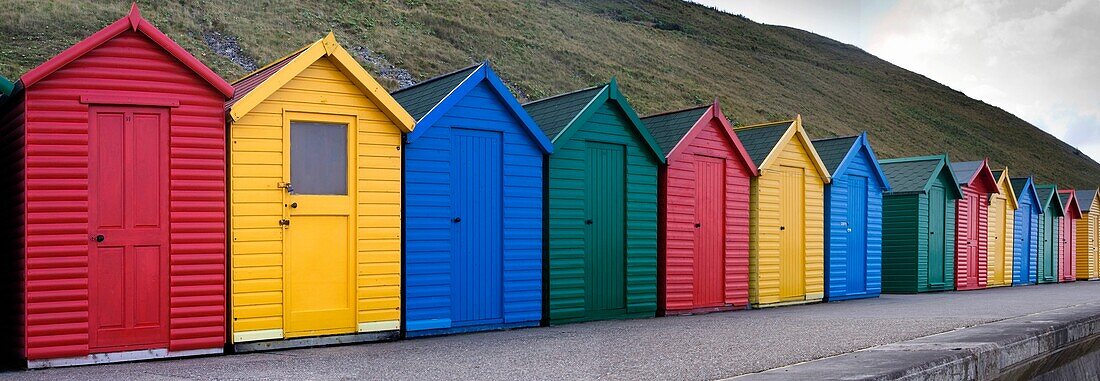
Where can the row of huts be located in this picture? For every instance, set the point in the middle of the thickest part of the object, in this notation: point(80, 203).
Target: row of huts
point(156, 210)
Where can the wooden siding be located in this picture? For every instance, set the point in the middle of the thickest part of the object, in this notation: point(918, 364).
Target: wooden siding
point(678, 200)
point(999, 264)
point(905, 242)
point(566, 300)
point(837, 198)
point(764, 216)
point(256, 200)
point(1087, 258)
point(57, 231)
point(964, 279)
point(428, 228)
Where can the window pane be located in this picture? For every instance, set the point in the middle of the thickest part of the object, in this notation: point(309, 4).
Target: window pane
point(319, 158)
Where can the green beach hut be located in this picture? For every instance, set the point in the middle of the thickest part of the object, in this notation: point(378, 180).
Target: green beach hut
point(601, 207)
point(1053, 211)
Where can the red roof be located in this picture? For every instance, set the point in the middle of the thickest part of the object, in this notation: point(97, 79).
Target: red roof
point(132, 21)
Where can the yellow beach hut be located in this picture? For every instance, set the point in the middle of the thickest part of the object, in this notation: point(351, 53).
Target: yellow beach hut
point(315, 203)
point(1088, 234)
point(1002, 208)
point(786, 215)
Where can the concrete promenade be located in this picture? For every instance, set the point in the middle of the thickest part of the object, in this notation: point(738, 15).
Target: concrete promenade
point(703, 347)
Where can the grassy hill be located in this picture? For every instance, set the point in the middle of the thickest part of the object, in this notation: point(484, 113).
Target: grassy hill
point(667, 54)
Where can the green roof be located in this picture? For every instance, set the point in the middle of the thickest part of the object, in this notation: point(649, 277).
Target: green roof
point(421, 98)
point(5, 86)
point(554, 114)
point(1084, 199)
point(760, 140)
point(669, 128)
point(909, 175)
point(1046, 196)
point(833, 150)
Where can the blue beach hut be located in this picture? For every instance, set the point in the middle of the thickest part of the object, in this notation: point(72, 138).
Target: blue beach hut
point(473, 206)
point(1025, 232)
point(853, 218)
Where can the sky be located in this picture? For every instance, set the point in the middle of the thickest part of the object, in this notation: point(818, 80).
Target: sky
point(1038, 59)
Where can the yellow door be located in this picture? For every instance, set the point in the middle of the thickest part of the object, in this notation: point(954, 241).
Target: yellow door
point(792, 253)
point(318, 264)
point(996, 240)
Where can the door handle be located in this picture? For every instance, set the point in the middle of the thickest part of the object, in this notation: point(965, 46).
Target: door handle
point(698, 224)
point(284, 222)
point(100, 238)
point(588, 222)
point(456, 219)
point(782, 228)
point(294, 205)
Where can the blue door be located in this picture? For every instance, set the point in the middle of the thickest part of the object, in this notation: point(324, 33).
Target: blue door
point(477, 260)
point(857, 234)
point(1027, 273)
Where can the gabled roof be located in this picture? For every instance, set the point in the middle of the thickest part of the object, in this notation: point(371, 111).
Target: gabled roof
point(558, 114)
point(5, 86)
point(837, 154)
point(673, 130)
point(430, 100)
point(1069, 202)
point(1025, 188)
point(912, 175)
point(1084, 199)
point(1003, 179)
point(131, 22)
point(763, 142)
point(975, 174)
point(1047, 198)
point(256, 87)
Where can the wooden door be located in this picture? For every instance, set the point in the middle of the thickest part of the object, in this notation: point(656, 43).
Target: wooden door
point(128, 219)
point(710, 207)
point(937, 237)
point(971, 240)
point(605, 227)
point(856, 270)
point(477, 247)
point(792, 235)
point(998, 210)
point(318, 262)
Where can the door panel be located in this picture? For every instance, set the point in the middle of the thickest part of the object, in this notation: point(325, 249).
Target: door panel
point(477, 258)
point(605, 233)
point(710, 208)
point(792, 266)
point(857, 234)
point(997, 212)
point(128, 216)
point(971, 240)
point(937, 238)
point(318, 259)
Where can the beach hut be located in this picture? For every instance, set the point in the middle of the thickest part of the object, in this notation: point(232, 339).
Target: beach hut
point(786, 215)
point(1047, 255)
point(315, 202)
point(971, 223)
point(1088, 260)
point(115, 202)
point(1002, 208)
point(1025, 234)
point(853, 217)
point(703, 258)
point(473, 206)
point(1067, 236)
point(601, 206)
point(918, 224)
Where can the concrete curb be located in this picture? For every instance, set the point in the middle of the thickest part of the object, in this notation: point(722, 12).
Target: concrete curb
point(982, 352)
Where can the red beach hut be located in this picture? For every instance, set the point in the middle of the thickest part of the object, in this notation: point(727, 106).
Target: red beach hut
point(703, 259)
point(972, 222)
point(1067, 236)
point(115, 192)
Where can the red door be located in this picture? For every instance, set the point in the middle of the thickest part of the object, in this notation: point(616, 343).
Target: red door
point(128, 228)
point(710, 207)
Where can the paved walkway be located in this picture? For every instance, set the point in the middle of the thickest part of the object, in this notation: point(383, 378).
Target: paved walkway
point(689, 348)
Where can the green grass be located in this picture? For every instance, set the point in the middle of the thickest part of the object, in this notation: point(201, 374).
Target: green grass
point(667, 54)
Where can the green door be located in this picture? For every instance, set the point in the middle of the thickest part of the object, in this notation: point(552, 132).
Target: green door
point(605, 233)
point(936, 237)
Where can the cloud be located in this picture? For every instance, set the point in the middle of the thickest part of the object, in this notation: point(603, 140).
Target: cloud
point(1036, 60)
